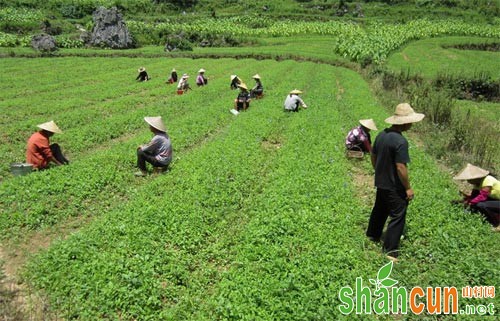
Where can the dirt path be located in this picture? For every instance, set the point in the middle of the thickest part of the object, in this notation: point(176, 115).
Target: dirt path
point(17, 300)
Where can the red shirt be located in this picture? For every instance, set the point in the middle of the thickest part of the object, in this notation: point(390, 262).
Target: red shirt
point(38, 151)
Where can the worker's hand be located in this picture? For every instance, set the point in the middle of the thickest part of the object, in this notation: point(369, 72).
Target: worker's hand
point(410, 195)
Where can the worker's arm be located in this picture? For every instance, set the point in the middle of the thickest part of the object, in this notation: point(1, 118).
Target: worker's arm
point(405, 180)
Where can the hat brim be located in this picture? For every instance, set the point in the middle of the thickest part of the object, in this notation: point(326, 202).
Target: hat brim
point(368, 124)
point(156, 122)
point(471, 172)
point(50, 127)
point(408, 119)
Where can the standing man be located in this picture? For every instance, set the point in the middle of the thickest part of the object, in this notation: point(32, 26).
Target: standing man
point(389, 159)
point(39, 151)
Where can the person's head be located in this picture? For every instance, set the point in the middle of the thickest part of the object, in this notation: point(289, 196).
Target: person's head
point(201, 71)
point(156, 124)
point(256, 77)
point(49, 128)
point(295, 92)
point(142, 69)
point(472, 174)
point(368, 124)
point(185, 76)
point(403, 118)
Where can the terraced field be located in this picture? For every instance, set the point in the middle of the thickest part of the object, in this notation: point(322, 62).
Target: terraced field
point(261, 216)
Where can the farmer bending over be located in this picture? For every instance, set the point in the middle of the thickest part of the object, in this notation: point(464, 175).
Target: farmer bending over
point(40, 152)
point(359, 137)
point(293, 101)
point(485, 195)
point(158, 152)
point(143, 75)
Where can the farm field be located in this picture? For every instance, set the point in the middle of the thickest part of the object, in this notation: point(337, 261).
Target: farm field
point(261, 216)
point(430, 57)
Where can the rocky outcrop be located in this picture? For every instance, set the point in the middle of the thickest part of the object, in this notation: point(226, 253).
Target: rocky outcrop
point(43, 42)
point(110, 30)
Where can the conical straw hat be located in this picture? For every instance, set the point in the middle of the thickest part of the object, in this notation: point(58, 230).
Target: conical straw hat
point(368, 123)
point(471, 172)
point(201, 70)
point(295, 92)
point(141, 69)
point(256, 76)
point(156, 122)
point(50, 127)
point(243, 86)
point(404, 114)
point(232, 77)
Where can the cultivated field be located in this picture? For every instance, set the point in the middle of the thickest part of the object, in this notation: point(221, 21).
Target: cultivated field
point(261, 216)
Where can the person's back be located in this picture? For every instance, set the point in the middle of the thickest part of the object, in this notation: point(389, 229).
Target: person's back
point(293, 101)
point(38, 151)
point(390, 147)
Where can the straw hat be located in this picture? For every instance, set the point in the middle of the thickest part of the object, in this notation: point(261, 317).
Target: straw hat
point(232, 77)
point(173, 70)
point(185, 76)
point(256, 76)
point(368, 123)
point(156, 122)
point(242, 85)
point(50, 127)
point(201, 70)
point(471, 172)
point(404, 114)
point(141, 69)
point(295, 92)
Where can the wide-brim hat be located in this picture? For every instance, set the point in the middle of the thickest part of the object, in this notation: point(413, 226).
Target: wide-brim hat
point(201, 70)
point(404, 114)
point(141, 69)
point(368, 123)
point(256, 76)
point(296, 92)
point(173, 70)
point(471, 172)
point(185, 76)
point(156, 122)
point(233, 76)
point(50, 127)
point(243, 86)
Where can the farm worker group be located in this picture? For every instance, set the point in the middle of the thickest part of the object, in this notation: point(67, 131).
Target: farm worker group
point(39, 151)
point(485, 195)
point(389, 158)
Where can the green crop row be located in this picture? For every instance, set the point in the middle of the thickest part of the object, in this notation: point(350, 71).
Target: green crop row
point(374, 41)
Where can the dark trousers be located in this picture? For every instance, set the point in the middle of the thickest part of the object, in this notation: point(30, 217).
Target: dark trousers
point(491, 211)
point(388, 204)
point(57, 153)
point(143, 157)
